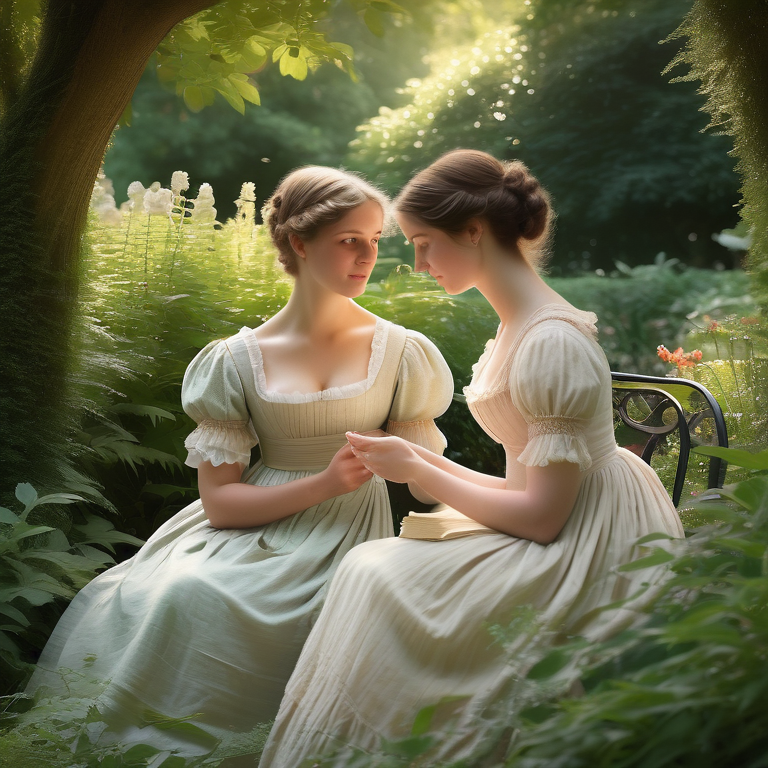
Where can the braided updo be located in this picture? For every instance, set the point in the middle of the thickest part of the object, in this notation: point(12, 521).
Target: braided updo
point(466, 184)
point(308, 199)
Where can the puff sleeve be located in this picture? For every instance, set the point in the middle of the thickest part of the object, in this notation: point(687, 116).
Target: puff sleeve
point(424, 391)
point(212, 394)
point(556, 383)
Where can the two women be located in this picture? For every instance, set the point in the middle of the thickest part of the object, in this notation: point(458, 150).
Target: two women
point(207, 620)
point(405, 625)
point(211, 615)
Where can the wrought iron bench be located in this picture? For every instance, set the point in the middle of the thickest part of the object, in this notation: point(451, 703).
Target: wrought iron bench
point(654, 413)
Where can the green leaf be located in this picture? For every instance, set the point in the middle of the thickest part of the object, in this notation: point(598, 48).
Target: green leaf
point(193, 98)
point(6, 516)
point(736, 457)
point(279, 51)
point(374, 21)
point(27, 495)
point(154, 413)
point(140, 752)
point(550, 665)
point(23, 530)
point(59, 498)
point(750, 548)
point(97, 530)
point(749, 494)
point(245, 88)
point(253, 54)
point(293, 63)
point(658, 535)
point(658, 557)
point(231, 95)
point(386, 6)
point(423, 720)
point(345, 50)
point(14, 613)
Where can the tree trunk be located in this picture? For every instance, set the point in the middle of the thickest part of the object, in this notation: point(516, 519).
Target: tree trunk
point(52, 141)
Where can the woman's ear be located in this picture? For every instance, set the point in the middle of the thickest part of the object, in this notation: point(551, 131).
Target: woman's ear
point(475, 230)
point(298, 245)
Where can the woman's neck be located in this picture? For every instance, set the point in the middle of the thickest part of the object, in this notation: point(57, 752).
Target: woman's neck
point(317, 312)
point(512, 286)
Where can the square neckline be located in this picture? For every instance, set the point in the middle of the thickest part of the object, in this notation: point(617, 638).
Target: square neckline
point(345, 391)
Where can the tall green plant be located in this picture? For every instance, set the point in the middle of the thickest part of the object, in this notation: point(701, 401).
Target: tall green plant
point(726, 50)
point(46, 554)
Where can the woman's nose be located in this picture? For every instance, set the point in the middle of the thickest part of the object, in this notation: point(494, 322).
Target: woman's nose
point(368, 252)
point(420, 264)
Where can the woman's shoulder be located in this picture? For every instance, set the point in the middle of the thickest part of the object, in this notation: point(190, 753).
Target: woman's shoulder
point(562, 326)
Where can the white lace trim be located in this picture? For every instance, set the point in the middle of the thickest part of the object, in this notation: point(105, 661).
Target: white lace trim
point(220, 442)
point(424, 433)
point(378, 348)
point(547, 447)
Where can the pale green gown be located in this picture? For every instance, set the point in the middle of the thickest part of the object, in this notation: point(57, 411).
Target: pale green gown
point(210, 622)
point(406, 622)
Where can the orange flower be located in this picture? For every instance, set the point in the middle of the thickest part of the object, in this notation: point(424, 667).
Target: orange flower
point(679, 357)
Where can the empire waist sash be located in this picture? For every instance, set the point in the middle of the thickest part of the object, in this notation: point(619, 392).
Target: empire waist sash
point(301, 452)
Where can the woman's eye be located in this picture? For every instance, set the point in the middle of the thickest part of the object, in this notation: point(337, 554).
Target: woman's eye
point(350, 240)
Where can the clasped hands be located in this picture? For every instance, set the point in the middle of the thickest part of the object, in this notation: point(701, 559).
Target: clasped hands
point(387, 456)
point(365, 455)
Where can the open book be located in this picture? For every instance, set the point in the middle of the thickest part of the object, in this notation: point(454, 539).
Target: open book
point(443, 523)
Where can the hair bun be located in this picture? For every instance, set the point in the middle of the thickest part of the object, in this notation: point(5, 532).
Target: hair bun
point(277, 201)
point(519, 181)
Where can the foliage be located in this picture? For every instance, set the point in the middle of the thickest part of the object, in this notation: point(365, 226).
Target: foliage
point(548, 83)
point(69, 732)
point(726, 52)
point(214, 51)
point(733, 365)
point(45, 554)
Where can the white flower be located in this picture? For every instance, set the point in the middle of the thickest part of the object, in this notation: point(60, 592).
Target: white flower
point(136, 194)
point(248, 191)
point(158, 202)
point(204, 212)
point(179, 182)
point(103, 201)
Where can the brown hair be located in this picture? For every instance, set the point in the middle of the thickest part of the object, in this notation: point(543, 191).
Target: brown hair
point(466, 184)
point(310, 198)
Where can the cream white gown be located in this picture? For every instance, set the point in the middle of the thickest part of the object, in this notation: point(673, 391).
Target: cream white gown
point(210, 622)
point(406, 622)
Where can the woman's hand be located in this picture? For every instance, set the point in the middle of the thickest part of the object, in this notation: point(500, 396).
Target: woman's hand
point(346, 472)
point(389, 457)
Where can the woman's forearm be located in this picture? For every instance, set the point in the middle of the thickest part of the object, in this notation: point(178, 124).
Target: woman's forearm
point(457, 470)
point(229, 503)
point(538, 513)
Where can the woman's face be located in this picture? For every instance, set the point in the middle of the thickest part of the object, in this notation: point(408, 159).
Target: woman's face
point(451, 259)
point(341, 256)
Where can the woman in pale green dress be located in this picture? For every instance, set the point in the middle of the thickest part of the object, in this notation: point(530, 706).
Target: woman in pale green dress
point(207, 620)
point(405, 625)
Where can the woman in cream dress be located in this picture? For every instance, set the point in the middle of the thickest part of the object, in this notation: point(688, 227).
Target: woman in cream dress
point(405, 625)
point(208, 618)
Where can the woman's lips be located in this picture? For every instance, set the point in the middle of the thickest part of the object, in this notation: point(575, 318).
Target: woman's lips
point(358, 277)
